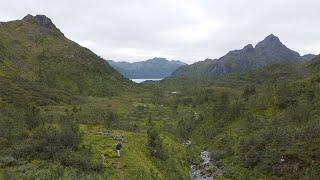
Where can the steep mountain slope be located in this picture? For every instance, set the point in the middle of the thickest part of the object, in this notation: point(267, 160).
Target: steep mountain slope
point(34, 50)
point(152, 68)
point(268, 51)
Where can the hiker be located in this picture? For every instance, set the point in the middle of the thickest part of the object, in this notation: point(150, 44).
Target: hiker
point(102, 160)
point(118, 148)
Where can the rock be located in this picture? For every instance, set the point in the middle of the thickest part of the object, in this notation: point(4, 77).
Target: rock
point(204, 170)
point(41, 20)
point(248, 48)
point(103, 133)
point(118, 137)
point(187, 143)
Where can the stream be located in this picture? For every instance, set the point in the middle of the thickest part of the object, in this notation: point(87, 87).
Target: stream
point(206, 170)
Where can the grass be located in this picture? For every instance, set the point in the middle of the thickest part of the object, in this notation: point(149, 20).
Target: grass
point(135, 161)
point(135, 158)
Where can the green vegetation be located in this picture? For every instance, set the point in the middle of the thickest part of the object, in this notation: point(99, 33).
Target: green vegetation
point(63, 109)
point(44, 57)
point(261, 124)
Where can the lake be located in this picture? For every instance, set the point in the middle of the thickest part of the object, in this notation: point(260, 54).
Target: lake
point(142, 80)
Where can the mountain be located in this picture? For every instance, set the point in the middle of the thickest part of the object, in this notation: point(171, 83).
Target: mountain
point(268, 51)
point(152, 68)
point(307, 57)
point(34, 51)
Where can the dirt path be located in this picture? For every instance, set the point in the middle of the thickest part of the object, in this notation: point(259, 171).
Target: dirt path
point(120, 169)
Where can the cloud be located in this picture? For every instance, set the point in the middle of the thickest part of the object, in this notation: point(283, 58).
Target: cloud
point(189, 30)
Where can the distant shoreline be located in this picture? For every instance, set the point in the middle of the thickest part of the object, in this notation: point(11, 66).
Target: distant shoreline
point(142, 80)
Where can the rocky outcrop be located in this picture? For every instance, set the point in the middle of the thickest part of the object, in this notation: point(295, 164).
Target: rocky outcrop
point(41, 20)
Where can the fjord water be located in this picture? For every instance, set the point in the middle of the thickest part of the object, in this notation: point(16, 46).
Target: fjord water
point(142, 80)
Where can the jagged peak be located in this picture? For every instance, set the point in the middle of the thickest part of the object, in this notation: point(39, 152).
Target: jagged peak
point(270, 41)
point(41, 20)
point(272, 37)
point(248, 48)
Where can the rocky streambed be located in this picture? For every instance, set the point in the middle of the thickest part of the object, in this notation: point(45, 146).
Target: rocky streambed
point(207, 169)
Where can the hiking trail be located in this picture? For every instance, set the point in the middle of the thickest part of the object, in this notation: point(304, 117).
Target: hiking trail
point(120, 169)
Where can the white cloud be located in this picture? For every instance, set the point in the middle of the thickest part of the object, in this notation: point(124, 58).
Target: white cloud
point(190, 30)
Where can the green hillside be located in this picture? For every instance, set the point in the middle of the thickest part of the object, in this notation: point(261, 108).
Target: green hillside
point(259, 124)
point(56, 98)
point(34, 50)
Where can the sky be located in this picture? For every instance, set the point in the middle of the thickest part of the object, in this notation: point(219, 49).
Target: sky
point(187, 30)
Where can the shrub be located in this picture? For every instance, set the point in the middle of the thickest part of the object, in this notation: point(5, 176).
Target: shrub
point(155, 142)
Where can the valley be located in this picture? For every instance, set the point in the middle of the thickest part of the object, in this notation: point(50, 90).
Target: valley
point(63, 109)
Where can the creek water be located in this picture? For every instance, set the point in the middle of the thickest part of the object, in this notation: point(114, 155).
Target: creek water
point(206, 170)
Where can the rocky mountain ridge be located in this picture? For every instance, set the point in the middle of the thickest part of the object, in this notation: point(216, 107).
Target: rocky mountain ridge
point(268, 51)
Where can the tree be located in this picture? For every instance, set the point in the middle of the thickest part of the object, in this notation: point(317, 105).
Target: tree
point(111, 119)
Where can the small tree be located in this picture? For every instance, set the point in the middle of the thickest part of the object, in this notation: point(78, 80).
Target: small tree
point(70, 132)
point(111, 119)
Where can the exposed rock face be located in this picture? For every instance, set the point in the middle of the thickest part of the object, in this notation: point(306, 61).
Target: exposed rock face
point(248, 48)
point(272, 50)
point(268, 51)
point(41, 20)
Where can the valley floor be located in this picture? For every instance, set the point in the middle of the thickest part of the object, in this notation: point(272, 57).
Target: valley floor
point(135, 161)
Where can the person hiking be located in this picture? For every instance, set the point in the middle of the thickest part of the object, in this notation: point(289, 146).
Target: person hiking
point(118, 148)
point(102, 160)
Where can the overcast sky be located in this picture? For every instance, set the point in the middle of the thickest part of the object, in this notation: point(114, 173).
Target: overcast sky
point(135, 30)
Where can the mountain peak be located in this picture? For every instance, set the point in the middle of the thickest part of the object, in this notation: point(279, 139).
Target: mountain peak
point(41, 20)
point(272, 39)
point(248, 48)
point(270, 42)
point(158, 58)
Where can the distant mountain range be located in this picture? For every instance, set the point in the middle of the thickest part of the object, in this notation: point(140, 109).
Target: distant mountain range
point(152, 68)
point(266, 52)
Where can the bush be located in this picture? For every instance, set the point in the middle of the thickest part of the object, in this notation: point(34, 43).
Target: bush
point(80, 159)
point(155, 142)
point(111, 120)
point(7, 161)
